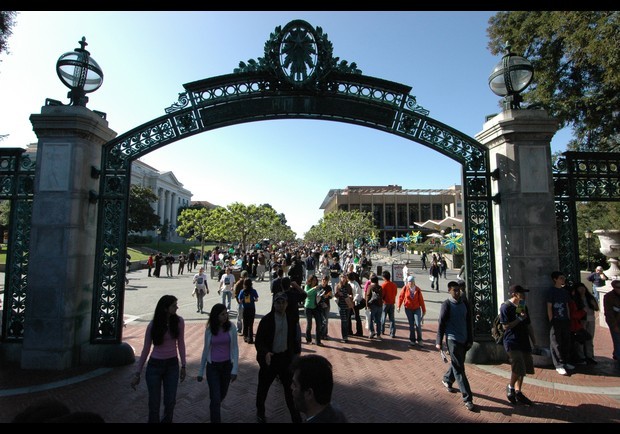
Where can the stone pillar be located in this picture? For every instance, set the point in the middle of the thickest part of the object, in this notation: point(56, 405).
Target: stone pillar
point(525, 237)
point(63, 236)
point(160, 205)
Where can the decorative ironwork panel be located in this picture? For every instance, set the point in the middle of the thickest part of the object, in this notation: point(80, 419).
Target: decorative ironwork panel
point(107, 313)
point(580, 177)
point(17, 171)
point(298, 77)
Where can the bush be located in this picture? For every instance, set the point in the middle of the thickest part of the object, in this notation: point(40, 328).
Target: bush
point(139, 239)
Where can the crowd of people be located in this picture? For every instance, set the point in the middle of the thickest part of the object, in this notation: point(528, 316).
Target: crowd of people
point(332, 276)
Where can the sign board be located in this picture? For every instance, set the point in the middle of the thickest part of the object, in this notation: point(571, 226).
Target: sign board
point(397, 274)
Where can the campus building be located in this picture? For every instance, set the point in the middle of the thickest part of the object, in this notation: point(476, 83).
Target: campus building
point(396, 210)
point(168, 189)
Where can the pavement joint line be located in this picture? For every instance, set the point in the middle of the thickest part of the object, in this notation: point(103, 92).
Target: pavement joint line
point(551, 385)
point(55, 384)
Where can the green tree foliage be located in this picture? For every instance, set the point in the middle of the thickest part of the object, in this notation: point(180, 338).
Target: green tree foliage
point(5, 210)
point(142, 217)
point(593, 216)
point(576, 60)
point(342, 226)
point(247, 224)
point(7, 20)
point(194, 224)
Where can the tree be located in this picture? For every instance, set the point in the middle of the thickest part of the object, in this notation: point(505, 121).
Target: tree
point(5, 211)
point(576, 60)
point(342, 226)
point(194, 224)
point(7, 21)
point(247, 224)
point(593, 216)
point(142, 217)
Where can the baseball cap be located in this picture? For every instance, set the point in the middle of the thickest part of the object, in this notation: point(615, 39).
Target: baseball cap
point(410, 279)
point(517, 288)
point(280, 296)
point(460, 282)
point(615, 283)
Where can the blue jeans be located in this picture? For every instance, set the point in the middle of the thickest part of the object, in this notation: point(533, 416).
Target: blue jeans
point(415, 324)
point(317, 314)
point(456, 371)
point(162, 372)
point(388, 312)
point(218, 378)
point(226, 298)
point(375, 319)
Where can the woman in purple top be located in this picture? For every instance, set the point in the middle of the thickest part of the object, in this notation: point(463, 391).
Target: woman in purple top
point(220, 356)
point(166, 334)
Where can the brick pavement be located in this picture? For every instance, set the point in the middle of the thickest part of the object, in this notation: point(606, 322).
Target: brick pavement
point(376, 382)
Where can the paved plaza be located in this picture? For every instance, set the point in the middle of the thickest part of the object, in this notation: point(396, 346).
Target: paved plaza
point(375, 381)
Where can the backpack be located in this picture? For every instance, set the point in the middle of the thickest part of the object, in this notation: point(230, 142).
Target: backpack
point(497, 331)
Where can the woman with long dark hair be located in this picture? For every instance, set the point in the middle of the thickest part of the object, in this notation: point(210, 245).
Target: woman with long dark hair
point(220, 356)
point(166, 334)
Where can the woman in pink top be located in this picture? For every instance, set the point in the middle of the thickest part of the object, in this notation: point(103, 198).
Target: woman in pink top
point(220, 357)
point(165, 333)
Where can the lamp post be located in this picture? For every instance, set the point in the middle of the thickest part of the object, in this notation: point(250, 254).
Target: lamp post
point(80, 73)
point(158, 232)
point(510, 77)
point(588, 235)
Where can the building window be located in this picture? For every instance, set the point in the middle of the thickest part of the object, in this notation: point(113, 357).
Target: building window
point(390, 216)
point(377, 214)
point(426, 212)
point(414, 214)
point(343, 207)
point(366, 207)
point(401, 219)
point(438, 213)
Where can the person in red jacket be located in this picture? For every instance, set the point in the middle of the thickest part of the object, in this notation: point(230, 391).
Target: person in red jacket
point(415, 309)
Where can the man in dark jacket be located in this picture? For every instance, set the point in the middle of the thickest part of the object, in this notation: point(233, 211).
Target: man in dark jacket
point(275, 343)
point(456, 325)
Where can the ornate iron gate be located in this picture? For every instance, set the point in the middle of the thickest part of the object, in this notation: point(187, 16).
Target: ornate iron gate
point(298, 78)
point(17, 172)
point(581, 177)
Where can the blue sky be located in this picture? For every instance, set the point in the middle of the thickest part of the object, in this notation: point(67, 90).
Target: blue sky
point(146, 58)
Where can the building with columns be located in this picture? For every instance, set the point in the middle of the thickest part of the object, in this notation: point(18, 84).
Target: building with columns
point(396, 210)
point(168, 189)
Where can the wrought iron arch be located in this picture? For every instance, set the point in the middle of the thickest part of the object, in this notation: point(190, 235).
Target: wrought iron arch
point(298, 78)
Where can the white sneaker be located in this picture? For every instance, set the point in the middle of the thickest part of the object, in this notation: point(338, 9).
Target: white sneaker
point(568, 366)
point(561, 371)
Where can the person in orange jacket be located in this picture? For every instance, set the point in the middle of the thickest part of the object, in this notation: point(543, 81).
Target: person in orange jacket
point(415, 309)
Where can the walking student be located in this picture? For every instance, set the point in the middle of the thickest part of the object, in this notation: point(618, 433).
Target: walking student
point(518, 333)
point(165, 333)
point(455, 324)
point(220, 357)
point(200, 289)
point(276, 340)
point(415, 309)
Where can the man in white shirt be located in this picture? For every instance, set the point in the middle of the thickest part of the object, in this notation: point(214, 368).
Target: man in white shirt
point(227, 283)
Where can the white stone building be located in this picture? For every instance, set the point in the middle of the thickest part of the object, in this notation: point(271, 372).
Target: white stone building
point(168, 189)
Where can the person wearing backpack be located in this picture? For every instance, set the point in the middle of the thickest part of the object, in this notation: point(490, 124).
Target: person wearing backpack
point(518, 332)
